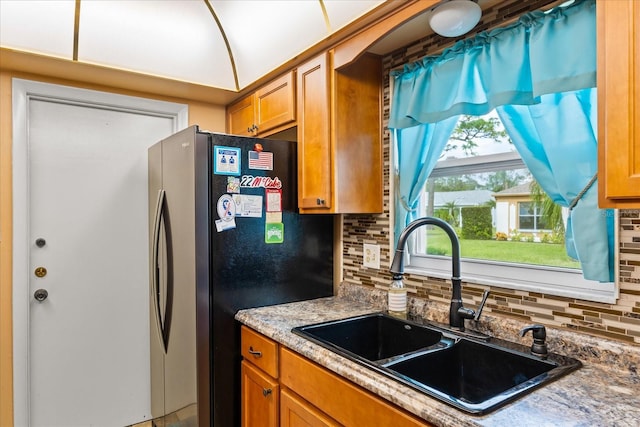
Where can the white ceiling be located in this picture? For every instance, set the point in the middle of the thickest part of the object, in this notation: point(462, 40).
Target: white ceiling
point(178, 39)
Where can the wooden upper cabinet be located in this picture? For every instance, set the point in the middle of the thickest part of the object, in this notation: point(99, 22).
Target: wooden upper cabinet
point(618, 103)
point(340, 136)
point(240, 117)
point(275, 104)
point(357, 136)
point(314, 146)
point(272, 108)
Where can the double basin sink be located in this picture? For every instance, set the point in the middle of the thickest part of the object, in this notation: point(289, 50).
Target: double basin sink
point(473, 375)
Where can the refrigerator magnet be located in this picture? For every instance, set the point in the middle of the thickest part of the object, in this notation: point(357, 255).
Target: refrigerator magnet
point(225, 225)
point(233, 184)
point(274, 232)
point(273, 217)
point(226, 207)
point(274, 199)
point(261, 160)
point(226, 160)
point(248, 205)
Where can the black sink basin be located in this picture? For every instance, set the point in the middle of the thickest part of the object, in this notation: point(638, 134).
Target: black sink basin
point(476, 376)
point(375, 337)
point(471, 375)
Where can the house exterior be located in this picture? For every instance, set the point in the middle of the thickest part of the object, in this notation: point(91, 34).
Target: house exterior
point(517, 214)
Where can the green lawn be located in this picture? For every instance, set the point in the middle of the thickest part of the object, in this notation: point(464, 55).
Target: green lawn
point(521, 252)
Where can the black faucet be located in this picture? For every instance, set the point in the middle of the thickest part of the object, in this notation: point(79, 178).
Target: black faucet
point(457, 313)
point(539, 346)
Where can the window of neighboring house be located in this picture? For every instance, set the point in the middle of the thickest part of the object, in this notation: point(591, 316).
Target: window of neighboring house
point(530, 217)
point(510, 235)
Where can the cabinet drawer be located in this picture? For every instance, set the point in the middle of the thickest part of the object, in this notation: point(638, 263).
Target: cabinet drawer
point(339, 398)
point(260, 350)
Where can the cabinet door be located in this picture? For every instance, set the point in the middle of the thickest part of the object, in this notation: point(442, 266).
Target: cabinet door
point(314, 150)
point(240, 117)
point(619, 103)
point(295, 412)
point(260, 395)
point(275, 104)
point(357, 137)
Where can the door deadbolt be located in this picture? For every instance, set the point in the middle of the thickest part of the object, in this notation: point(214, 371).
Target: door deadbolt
point(40, 272)
point(40, 295)
point(40, 242)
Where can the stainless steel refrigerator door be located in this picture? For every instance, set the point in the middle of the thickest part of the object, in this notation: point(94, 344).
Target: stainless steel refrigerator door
point(178, 183)
point(157, 349)
point(173, 295)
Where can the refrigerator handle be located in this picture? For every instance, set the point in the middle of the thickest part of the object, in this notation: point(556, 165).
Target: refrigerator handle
point(155, 280)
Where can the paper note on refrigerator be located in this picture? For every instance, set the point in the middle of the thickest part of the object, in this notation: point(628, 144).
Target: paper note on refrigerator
point(248, 206)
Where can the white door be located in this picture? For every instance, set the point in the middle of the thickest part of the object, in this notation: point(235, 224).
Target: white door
point(85, 244)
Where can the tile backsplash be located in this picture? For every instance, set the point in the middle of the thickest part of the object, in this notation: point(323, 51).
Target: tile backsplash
point(620, 321)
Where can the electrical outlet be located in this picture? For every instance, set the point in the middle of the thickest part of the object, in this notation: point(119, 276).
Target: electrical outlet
point(371, 256)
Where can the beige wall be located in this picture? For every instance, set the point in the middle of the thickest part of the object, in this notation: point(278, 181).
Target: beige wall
point(208, 116)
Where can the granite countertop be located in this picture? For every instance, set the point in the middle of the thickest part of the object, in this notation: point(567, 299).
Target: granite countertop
point(603, 392)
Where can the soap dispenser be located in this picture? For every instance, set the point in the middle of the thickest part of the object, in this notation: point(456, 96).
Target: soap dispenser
point(397, 297)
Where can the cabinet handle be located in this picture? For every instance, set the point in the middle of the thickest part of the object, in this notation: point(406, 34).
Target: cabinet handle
point(255, 353)
point(249, 130)
point(320, 201)
point(266, 392)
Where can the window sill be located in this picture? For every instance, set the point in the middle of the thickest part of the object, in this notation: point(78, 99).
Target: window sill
point(562, 282)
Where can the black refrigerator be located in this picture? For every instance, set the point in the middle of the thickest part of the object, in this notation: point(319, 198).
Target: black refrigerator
point(224, 235)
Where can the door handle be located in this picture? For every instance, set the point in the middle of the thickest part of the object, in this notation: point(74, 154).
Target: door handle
point(163, 317)
point(40, 295)
point(155, 285)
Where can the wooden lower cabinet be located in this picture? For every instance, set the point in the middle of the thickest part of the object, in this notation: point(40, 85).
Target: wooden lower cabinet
point(282, 388)
point(260, 398)
point(296, 412)
point(260, 393)
point(341, 400)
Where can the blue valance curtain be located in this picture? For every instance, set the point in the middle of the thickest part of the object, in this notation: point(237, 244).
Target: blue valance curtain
point(541, 54)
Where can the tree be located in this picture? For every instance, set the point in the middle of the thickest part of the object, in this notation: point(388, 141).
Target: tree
point(472, 128)
point(501, 180)
point(452, 213)
point(467, 132)
point(551, 211)
point(455, 183)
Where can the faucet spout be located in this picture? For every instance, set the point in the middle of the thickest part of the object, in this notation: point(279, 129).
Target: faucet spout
point(456, 320)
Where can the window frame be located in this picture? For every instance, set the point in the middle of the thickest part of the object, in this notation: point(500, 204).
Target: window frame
point(557, 281)
point(536, 216)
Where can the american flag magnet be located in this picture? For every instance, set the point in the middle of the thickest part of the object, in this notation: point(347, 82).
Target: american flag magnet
point(261, 160)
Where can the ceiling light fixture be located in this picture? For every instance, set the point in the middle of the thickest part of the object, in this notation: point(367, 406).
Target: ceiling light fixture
point(455, 17)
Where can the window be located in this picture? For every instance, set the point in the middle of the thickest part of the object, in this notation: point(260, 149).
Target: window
point(530, 217)
point(510, 236)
